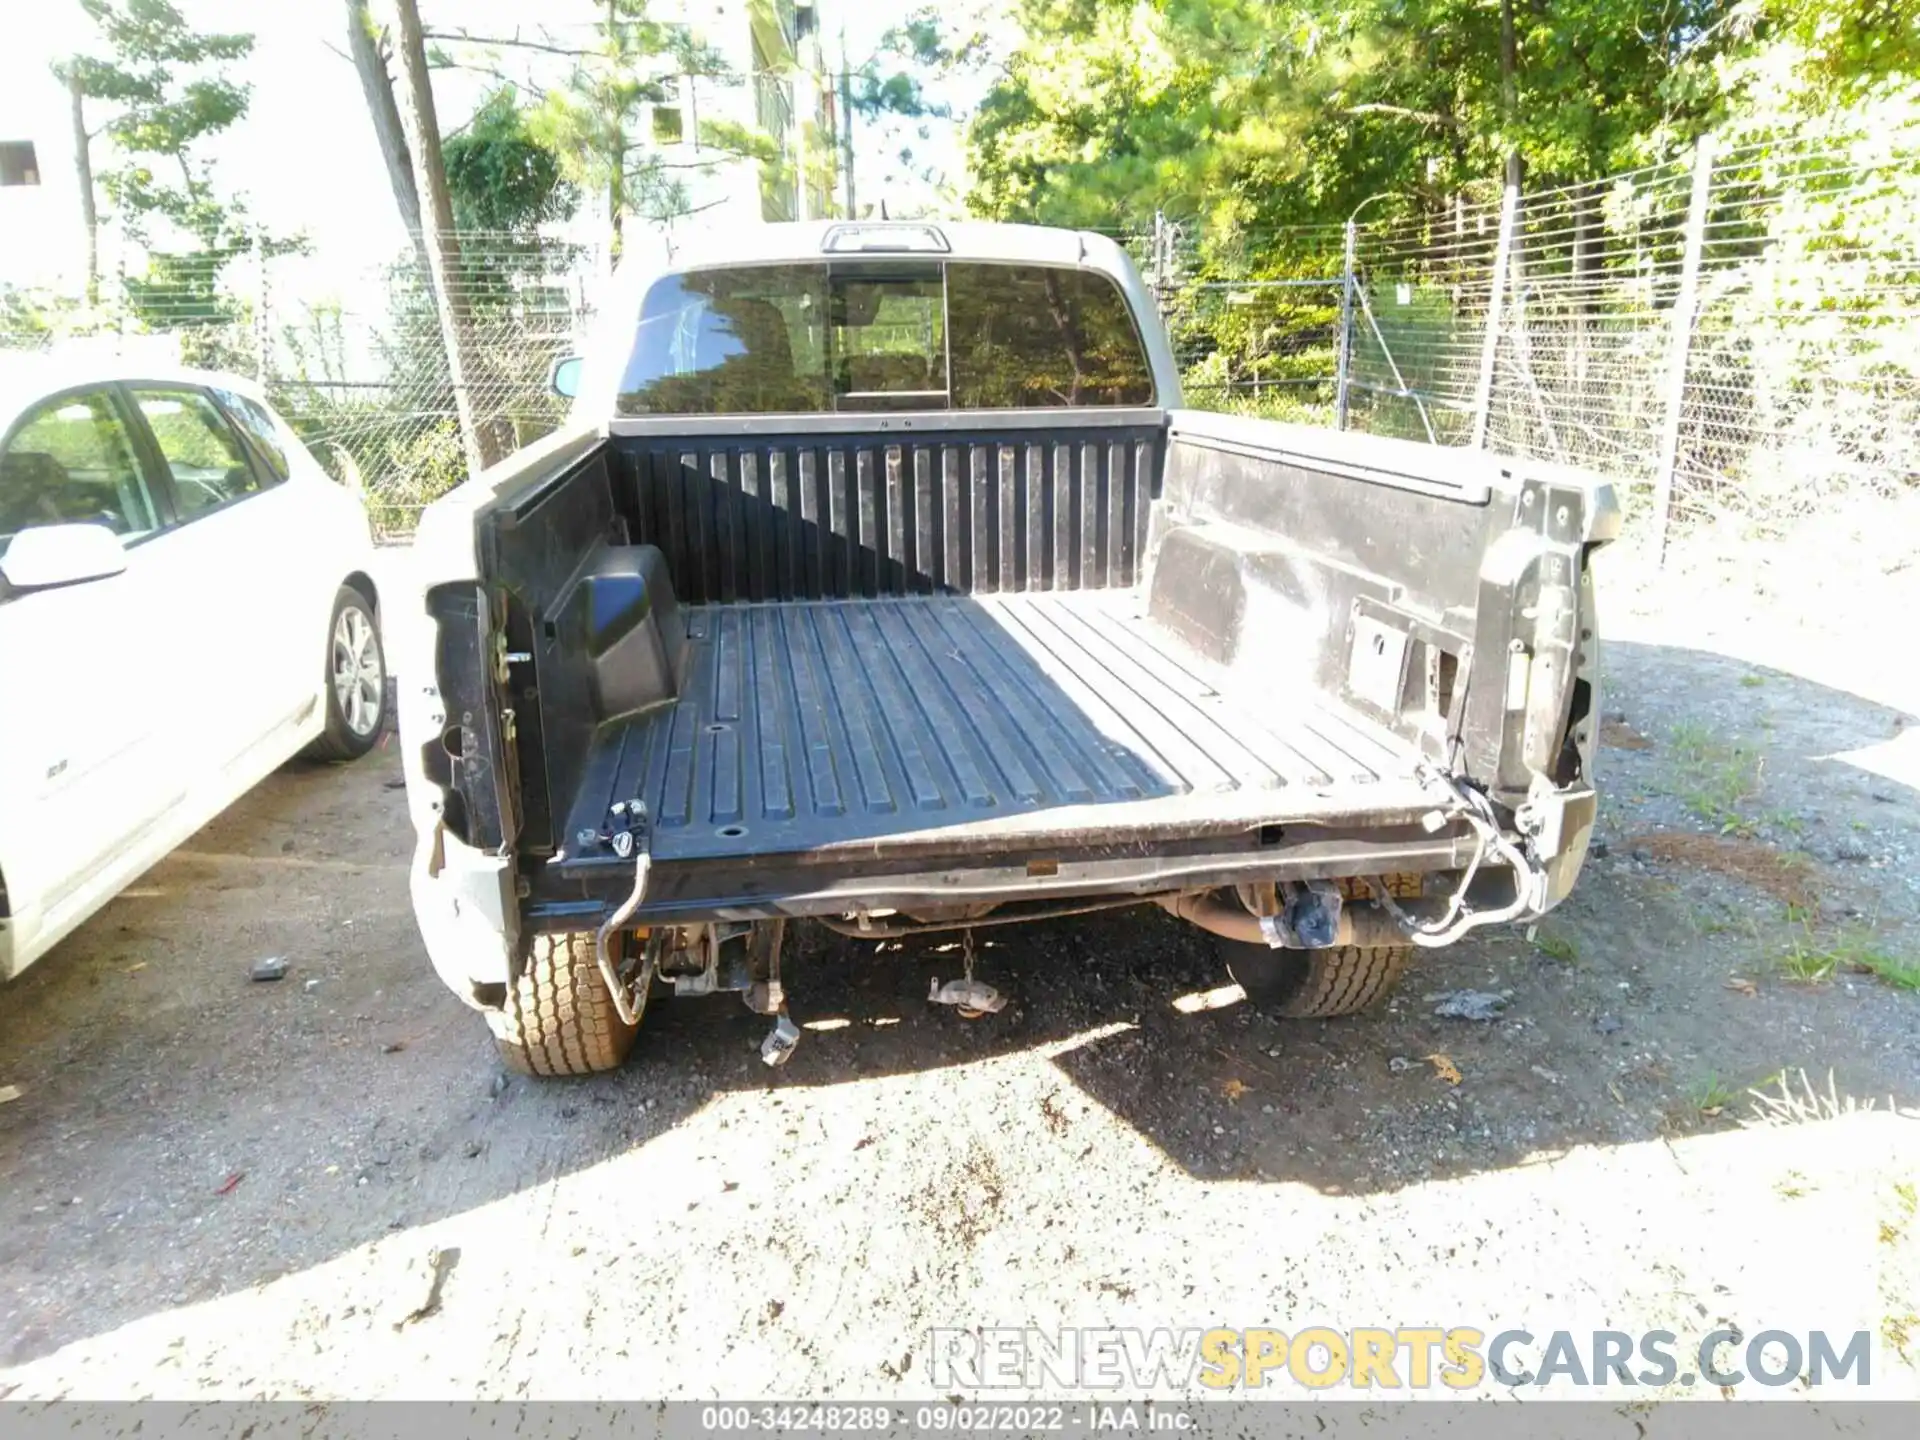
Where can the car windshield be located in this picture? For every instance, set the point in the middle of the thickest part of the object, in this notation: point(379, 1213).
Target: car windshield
point(876, 335)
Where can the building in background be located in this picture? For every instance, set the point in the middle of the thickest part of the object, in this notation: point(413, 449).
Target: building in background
point(18, 164)
point(39, 217)
point(778, 89)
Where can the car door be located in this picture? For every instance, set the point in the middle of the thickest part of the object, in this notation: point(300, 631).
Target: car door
point(324, 535)
point(231, 579)
point(83, 768)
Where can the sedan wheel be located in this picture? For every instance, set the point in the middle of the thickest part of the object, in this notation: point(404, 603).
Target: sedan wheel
point(359, 673)
point(356, 693)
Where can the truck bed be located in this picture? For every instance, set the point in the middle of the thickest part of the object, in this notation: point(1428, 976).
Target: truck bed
point(882, 726)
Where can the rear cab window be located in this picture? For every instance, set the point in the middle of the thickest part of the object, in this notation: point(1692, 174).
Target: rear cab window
point(877, 335)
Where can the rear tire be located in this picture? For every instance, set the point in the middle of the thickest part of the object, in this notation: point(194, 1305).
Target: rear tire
point(355, 694)
point(559, 1018)
point(1315, 984)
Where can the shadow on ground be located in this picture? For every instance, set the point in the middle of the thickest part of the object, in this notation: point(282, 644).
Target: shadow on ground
point(183, 1133)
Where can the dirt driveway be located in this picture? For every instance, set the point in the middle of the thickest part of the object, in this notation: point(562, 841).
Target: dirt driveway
point(326, 1186)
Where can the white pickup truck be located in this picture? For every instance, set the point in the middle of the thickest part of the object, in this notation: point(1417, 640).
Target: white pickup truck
point(880, 578)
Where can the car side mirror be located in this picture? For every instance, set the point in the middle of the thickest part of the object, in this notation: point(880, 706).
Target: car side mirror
point(46, 556)
point(563, 376)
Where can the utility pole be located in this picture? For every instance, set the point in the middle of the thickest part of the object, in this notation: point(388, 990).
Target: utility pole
point(417, 116)
point(846, 120)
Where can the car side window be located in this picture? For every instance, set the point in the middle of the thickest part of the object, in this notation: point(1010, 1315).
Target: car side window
point(209, 464)
point(254, 418)
point(72, 460)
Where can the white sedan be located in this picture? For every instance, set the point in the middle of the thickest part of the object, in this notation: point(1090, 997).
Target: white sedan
point(185, 604)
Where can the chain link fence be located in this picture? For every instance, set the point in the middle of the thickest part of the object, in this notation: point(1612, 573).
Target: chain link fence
point(1736, 334)
point(1253, 318)
point(354, 357)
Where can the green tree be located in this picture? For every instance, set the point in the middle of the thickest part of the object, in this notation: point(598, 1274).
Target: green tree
point(893, 96)
point(1252, 114)
point(165, 89)
point(501, 177)
point(600, 122)
point(597, 120)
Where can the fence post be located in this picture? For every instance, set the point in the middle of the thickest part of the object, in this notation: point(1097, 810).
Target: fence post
point(1158, 264)
point(1685, 304)
point(261, 343)
point(1490, 342)
point(1343, 362)
point(119, 300)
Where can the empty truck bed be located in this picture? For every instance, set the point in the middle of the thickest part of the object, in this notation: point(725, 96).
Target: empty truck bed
point(994, 723)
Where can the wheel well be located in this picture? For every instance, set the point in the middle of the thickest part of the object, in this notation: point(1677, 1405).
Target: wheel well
point(6, 910)
point(363, 582)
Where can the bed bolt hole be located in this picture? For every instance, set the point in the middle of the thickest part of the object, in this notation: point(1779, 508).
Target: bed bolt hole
point(717, 729)
point(731, 832)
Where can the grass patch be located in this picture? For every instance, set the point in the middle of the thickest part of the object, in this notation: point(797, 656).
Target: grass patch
point(1786, 822)
point(1812, 958)
point(1753, 682)
point(1895, 970)
point(1710, 1095)
point(1717, 778)
point(1807, 960)
point(1556, 947)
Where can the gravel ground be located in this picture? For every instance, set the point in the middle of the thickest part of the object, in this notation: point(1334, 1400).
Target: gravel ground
point(222, 1188)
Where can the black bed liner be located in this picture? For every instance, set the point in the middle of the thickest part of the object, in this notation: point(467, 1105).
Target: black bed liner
point(880, 726)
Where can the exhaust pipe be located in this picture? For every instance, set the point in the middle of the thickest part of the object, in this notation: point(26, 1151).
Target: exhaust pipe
point(1361, 924)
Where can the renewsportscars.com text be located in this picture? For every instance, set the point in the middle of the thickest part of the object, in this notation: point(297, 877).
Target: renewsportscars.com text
point(1318, 1357)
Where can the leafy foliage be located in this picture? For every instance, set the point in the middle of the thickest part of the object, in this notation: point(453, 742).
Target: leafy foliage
point(595, 124)
point(898, 93)
point(501, 177)
point(168, 89)
point(1262, 127)
point(1258, 115)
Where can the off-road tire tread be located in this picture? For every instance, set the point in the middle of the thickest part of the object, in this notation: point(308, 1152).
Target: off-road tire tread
point(1347, 979)
point(559, 1018)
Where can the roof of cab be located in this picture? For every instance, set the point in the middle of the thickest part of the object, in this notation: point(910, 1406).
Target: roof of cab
point(654, 254)
point(791, 241)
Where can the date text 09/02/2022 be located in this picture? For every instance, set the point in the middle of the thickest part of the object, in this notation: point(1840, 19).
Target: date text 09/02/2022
point(946, 1417)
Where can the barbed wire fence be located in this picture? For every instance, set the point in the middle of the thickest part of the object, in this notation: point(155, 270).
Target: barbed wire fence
point(1733, 335)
